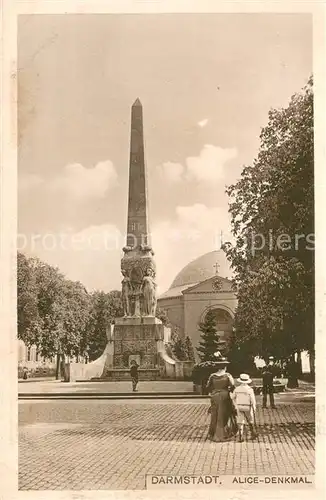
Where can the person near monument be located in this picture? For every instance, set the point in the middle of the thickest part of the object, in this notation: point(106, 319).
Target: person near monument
point(219, 386)
point(245, 403)
point(134, 375)
point(149, 293)
point(25, 373)
point(268, 374)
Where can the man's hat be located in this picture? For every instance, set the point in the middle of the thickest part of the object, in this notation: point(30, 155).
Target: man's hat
point(244, 379)
point(271, 358)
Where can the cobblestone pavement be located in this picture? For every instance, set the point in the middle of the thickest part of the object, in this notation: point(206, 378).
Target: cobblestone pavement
point(79, 445)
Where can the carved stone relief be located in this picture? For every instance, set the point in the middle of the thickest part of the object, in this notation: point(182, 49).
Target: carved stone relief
point(138, 285)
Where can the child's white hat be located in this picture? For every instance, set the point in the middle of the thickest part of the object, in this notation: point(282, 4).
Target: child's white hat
point(244, 379)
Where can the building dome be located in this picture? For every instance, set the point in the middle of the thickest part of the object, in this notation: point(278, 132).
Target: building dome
point(203, 268)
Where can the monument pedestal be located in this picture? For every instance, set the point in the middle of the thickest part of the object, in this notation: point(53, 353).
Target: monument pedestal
point(139, 339)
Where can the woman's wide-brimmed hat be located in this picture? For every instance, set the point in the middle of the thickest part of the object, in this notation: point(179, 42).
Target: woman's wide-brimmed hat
point(244, 379)
point(220, 360)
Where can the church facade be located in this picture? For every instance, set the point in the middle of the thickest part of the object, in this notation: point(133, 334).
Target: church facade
point(201, 286)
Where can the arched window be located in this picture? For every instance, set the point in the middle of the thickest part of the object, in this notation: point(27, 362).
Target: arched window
point(223, 322)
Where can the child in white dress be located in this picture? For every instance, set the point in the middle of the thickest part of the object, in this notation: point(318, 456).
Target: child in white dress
point(245, 403)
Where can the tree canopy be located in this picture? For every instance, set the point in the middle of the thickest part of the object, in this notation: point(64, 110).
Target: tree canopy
point(105, 307)
point(52, 311)
point(272, 216)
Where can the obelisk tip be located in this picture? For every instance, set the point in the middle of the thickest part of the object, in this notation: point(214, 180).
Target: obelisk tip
point(137, 103)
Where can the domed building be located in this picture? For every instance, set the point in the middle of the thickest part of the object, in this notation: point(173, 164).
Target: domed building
point(202, 285)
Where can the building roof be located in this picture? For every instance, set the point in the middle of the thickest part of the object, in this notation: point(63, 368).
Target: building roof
point(176, 291)
point(203, 268)
point(198, 270)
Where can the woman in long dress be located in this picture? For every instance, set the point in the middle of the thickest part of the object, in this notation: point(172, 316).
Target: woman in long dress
point(219, 386)
point(149, 293)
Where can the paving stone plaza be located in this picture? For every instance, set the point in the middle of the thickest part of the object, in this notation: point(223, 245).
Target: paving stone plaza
point(113, 444)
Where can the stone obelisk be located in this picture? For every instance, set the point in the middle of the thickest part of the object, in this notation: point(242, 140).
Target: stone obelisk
point(137, 223)
point(137, 265)
point(138, 333)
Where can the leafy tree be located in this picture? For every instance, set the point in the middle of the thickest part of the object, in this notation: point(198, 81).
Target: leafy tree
point(162, 315)
point(271, 206)
point(39, 291)
point(52, 311)
point(189, 349)
point(98, 324)
point(64, 308)
point(114, 305)
point(174, 346)
point(76, 309)
point(179, 350)
point(177, 347)
point(209, 343)
point(175, 334)
point(105, 307)
point(28, 319)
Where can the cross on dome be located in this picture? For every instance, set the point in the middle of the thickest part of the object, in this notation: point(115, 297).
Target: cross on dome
point(216, 266)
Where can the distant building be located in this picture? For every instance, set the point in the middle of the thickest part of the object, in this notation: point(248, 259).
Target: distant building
point(29, 355)
point(37, 365)
point(201, 286)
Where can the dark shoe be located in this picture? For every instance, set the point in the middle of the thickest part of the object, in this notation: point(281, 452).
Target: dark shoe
point(273, 407)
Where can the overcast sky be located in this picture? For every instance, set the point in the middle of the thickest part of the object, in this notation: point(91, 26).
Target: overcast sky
point(206, 83)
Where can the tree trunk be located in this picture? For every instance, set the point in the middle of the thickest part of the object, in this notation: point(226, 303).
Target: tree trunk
point(292, 374)
point(312, 364)
point(58, 367)
point(299, 364)
point(62, 366)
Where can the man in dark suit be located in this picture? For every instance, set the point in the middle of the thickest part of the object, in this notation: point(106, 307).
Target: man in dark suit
point(134, 375)
point(268, 378)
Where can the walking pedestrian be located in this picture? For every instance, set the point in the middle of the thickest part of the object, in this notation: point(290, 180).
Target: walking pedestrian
point(134, 375)
point(268, 379)
point(245, 403)
point(219, 386)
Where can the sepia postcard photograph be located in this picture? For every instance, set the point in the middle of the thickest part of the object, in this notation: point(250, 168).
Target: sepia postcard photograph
point(165, 312)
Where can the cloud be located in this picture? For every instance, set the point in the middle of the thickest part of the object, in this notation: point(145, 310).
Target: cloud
point(203, 123)
point(80, 182)
point(172, 171)
point(195, 230)
point(91, 255)
point(75, 181)
point(208, 166)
